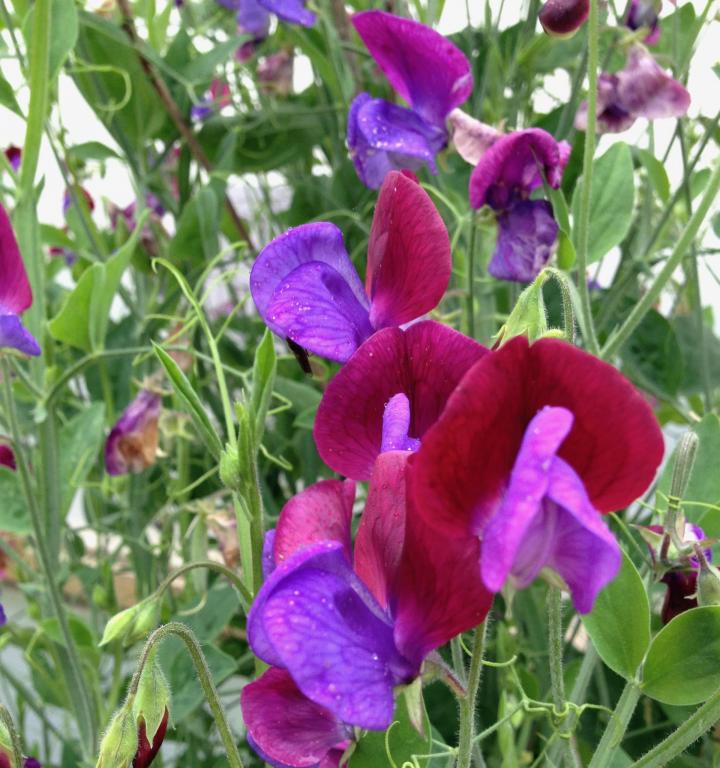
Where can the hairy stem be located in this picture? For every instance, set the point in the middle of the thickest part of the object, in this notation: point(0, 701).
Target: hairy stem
point(617, 726)
point(468, 704)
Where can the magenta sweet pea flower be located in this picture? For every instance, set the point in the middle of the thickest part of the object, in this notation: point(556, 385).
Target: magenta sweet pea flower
point(350, 626)
point(645, 13)
point(563, 18)
point(287, 729)
point(132, 443)
point(431, 74)
point(641, 89)
point(14, 156)
point(306, 288)
point(15, 292)
point(569, 438)
point(253, 16)
point(507, 173)
point(390, 392)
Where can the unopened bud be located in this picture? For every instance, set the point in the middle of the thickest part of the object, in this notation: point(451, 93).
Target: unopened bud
point(528, 316)
point(133, 623)
point(684, 461)
point(151, 713)
point(147, 618)
point(563, 18)
point(120, 742)
point(708, 580)
point(119, 625)
point(6, 749)
point(230, 468)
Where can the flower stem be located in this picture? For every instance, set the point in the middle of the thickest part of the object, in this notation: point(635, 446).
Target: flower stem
point(77, 684)
point(471, 277)
point(555, 647)
point(7, 721)
point(468, 704)
point(583, 224)
point(653, 292)
point(233, 578)
point(617, 726)
point(203, 671)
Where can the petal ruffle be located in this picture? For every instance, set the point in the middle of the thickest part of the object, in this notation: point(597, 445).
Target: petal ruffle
point(514, 165)
point(526, 237)
point(383, 137)
point(409, 260)
point(428, 71)
point(15, 291)
point(396, 426)
point(425, 362)
point(293, 11)
point(315, 242)
point(322, 512)
point(315, 307)
point(284, 725)
point(315, 618)
point(14, 335)
point(646, 90)
point(471, 138)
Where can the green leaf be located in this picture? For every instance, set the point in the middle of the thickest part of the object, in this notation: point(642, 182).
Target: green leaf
point(264, 371)
point(619, 623)
point(92, 150)
point(403, 742)
point(656, 174)
point(7, 97)
point(190, 397)
point(197, 233)
point(80, 441)
point(64, 33)
point(612, 200)
point(83, 318)
point(13, 510)
point(683, 664)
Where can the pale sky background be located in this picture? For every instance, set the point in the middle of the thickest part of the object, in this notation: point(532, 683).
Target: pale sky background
point(82, 125)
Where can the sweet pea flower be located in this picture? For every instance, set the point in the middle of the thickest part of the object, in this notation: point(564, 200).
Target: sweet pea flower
point(641, 89)
point(563, 18)
point(349, 626)
point(306, 288)
point(503, 179)
point(431, 74)
point(216, 99)
point(535, 443)
point(390, 392)
point(15, 292)
point(471, 138)
point(14, 156)
point(275, 73)
point(7, 457)
point(132, 443)
point(253, 16)
point(645, 13)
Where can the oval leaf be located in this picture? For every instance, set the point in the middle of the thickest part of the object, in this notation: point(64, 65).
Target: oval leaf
point(619, 623)
point(683, 665)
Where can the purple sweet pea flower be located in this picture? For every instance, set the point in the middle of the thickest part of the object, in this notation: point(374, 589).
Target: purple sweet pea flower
point(641, 89)
point(645, 13)
point(31, 762)
point(3, 617)
point(132, 443)
point(506, 174)
point(429, 73)
point(471, 138)
point(15, 292)
point(348, 634)
point(217, 97)
point(563, 18)
point(14, 156)
point(253, 16)
point(306, 288)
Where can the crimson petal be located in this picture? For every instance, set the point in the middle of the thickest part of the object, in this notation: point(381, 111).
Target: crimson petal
point(15, 291)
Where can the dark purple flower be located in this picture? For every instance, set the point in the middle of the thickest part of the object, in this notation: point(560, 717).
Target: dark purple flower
point(507, 173)
point(146, 751)
point(348, 634)
point(645, 13)
point(570, 438)
point(563, 18)
point(306, 288)
point(14, 156)
point(641, 89)
point(15, 292)
point(429, 73)
point(7, 457)
point(132, 443)
point(3, 617)
point(31, 762)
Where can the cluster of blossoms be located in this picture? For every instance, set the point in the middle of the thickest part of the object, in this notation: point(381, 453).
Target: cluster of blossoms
point(485, 469)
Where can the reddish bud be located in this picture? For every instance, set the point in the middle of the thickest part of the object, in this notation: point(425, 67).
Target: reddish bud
point(563, 18)
point(146, 752)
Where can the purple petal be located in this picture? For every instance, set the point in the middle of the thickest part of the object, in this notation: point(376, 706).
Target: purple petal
point(268, 554)
point(646, 90)
point(13, 335)
point(645, 13)
point(285, 728)
point(316, 242)
point(7, 459)
point(315, 618)
point(396, 423)
point(612, 117)
point(3, 617)
point(471, 138)
point(525, 240)
point(322, 512)
point(15, 292)
point(315, 307)
point(514, 166)
point(252, 18)
point(14, 156)
point(427, 70)
point(382, 137)
point(293, 11)
point(132, 443)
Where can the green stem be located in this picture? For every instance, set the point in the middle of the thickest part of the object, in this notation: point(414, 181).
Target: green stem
point(77, 683)
point(203, 671)
point(555, 647)
point(233, 578)
point(701, 721)
point(583, 224)
point(471, 278)
point(653, 292)
point(613, 735)
point(468, 704)
point(7, 721)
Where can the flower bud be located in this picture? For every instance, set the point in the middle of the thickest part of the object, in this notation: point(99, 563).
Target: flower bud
point(151, 713)
point(708, 580)
point(120, 742)
point(230, 468)
point(133, 623)
point(119, 626)
point(146, 620)
point(6, 750)
point(563, 18)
